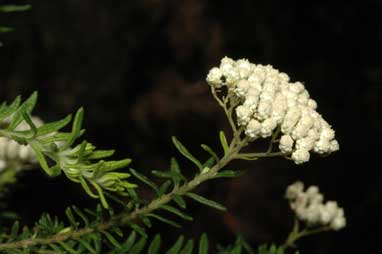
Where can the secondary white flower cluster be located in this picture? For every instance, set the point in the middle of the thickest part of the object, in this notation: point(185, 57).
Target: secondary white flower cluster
point(268, 100)
point(11, 150)
point(309, 207)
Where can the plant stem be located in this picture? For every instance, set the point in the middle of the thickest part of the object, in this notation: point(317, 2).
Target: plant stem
point(296, 234)
point(124, 218)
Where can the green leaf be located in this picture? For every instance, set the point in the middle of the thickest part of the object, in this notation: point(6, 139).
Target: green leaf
point(223, 141)
point(100, 194)
point(111, 239)
point(100, 154)
point(10, 109)
point(14, 8)
point(145, 180)
point(53, 126)
point(113, 165)
point(67, 247)
point(86, 188)
point(183, 150)
point(155, 245)
point(174, 165)
point(81, 215)
point(76, 129)
point(203, 244)
point(209, 163)
point(273, 249)
point(14, 230)
point(206, 201)
point(146, 221)
point(164, 220)
point(87, 245)
point(42, 161)
point(280, 250)
point(179, 200)
point(126, 246)
point(139, 246)
point(210, 151)
point(139, 230)
point(26, 107)
point(164, 187)
point(176, 212)
point(245, 244)
point(167, 174)
point(5, 29)
point(29, 121)
point(71, 218)
point(228, 174)
point(188, 248)
point(177, 246)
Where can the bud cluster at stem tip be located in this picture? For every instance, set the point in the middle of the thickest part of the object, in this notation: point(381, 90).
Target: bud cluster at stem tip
point(309, 207)
point(268, 101)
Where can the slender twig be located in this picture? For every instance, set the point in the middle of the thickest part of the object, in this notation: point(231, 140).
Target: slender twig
point(124, 218)
point(274, 136)
point(259, 155)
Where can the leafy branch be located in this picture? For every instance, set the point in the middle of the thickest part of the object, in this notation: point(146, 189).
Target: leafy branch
point(56, 150)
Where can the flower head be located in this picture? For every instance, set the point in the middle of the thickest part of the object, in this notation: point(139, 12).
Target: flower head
point(268, 101)
point(309, 207)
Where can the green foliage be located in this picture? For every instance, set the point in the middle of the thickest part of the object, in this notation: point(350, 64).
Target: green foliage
point(239, 247)
point(206, 201)
point(11, 8)
point(57, 151)
point(102, 230)
point(271, 249)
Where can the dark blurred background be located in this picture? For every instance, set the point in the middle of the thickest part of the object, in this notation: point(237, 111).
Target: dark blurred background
point(138, 68)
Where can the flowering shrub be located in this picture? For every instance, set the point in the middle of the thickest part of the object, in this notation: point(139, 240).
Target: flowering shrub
point(259, 102)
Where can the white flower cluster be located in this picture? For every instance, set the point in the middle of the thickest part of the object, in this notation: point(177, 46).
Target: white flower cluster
point(270, 101)
point(11, 150)
point(309, 207)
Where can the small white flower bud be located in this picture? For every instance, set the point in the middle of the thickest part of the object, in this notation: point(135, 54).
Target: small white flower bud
point(267, 127)
point(231, 75)
point(284, 77)
point(24, 152)
point(312, 214)
point(312, 104)
point(296, 87)
point(286, 144)
point(244, 68)
point(300, 156)
point(327, 133)
point(338, 223)
point(251, 102)
point(302, 127)
point(242, 87)
point(253, 128)
point(312, 191)
point(279, 107)
point(303, 98)
point(294, 190)
point(290, 120)
point(12, 149)
point(322, 146)
point(243, 114)
point(331, 209)
point(334, 146)
point(214, 77)
point(227, 61)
